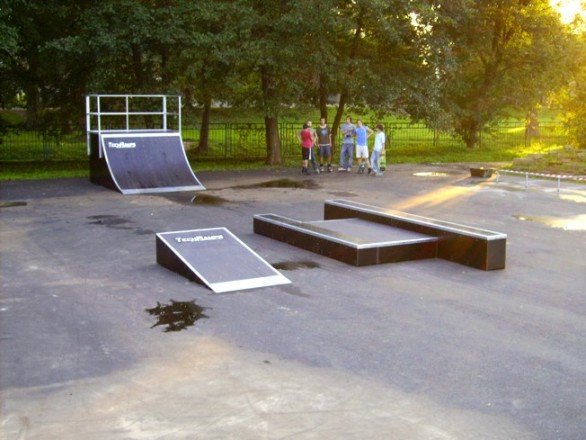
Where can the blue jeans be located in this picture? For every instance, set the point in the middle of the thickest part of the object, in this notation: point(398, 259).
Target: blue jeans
point(347, 150)
point(374, 161)
point(312, 158)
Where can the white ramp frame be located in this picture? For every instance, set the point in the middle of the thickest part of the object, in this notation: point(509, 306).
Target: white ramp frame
point(93, 108)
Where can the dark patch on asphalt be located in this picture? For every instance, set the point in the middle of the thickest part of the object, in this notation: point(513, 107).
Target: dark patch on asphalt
point(295, 265)
point(208, 199)
point(282, 183)
point(110, 221)
point(295, 291)
point(200, 198)
point(177, 316)
point(343, 194)
point(12, 204)
point(116, 222)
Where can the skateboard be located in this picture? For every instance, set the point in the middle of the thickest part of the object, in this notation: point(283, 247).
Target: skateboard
point(382, 161)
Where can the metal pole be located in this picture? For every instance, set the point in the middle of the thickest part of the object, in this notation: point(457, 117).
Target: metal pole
point(127, 114)
point(179, 113)
point(88, 124)
point(99, 107)
point(164, 112)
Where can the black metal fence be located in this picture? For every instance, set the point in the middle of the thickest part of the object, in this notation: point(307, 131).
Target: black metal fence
point(247, 140)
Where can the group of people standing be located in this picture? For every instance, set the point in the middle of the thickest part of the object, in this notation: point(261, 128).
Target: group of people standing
point(321, 139)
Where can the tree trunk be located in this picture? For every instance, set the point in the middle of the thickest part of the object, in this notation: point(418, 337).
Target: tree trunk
point(323, 97)
point(204, 130)
point(139, 77)
point(273, 141)
point(470, 132)
point(33, 105)
point(350, 73)
point(165, 57)
point(338, 116)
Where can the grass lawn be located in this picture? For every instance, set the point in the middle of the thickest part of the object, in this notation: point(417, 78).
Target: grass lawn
point(409, 143)
point(534, 159)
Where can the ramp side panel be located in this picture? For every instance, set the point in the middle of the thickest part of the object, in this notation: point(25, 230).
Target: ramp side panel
point(220, 260)
point(148, 162)
point(99, 172)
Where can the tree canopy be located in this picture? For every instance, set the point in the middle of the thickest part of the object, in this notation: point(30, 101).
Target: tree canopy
point(458, 65)
point(498, 56)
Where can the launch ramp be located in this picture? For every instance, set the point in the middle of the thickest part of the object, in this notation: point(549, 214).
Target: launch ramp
point(135, 146)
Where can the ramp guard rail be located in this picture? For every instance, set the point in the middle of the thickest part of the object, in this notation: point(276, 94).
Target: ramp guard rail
point(95, 112)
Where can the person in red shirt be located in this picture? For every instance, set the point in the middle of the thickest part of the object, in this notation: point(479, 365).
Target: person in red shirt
point(307, 139)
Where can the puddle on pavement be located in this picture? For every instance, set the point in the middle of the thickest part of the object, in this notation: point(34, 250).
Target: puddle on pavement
point(343, 194)
point(200, 198)
point(293, 290)
point(177, 316)
point(208, 199)
point(12, 204)
point(116, 222)
point(110, 221)
point(574, 223)
point(295, 265)
point(509, 187)
point(574, 198)
point(282, 183)
point(430, 174)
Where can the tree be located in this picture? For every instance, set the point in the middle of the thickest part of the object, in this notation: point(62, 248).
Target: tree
point(209, 50)
point(131, 42)
point(273, 56)
point(39, 59)
point(8, 50)
point(369, 54)
point(493, 57)
point(572, 98)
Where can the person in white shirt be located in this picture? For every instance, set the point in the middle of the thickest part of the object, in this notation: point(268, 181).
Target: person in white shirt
point(378, 149)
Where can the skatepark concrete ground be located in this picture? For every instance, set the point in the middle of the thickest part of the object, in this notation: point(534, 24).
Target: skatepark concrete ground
point(416, 350)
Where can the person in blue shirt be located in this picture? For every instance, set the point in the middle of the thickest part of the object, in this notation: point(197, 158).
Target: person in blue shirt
point(347, 150)
point(362, 134)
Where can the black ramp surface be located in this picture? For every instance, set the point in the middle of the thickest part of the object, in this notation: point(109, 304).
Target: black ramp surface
point(148, 162)
point(220, 260)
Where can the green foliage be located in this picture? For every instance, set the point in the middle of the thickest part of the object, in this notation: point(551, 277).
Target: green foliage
point(457, 65)
point(573, 97)
point(12, 118)
point(496, 57)
point(566, 160)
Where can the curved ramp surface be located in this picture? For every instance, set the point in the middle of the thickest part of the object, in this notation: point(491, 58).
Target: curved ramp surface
point(138, 163)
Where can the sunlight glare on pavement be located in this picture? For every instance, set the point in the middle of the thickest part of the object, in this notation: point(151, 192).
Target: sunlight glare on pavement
point(441, 196)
